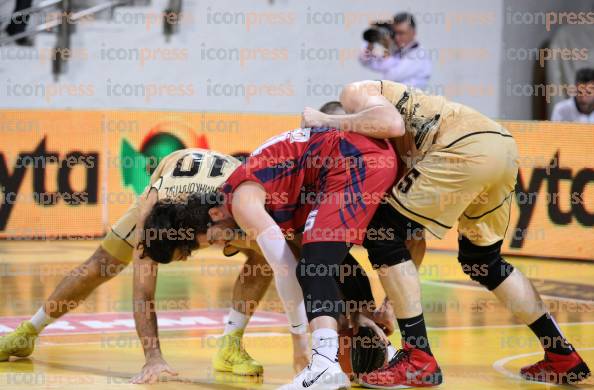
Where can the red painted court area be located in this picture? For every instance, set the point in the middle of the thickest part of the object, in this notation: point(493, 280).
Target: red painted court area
point(99, 323)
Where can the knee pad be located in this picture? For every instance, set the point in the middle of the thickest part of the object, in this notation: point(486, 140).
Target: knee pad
point(484, 264)
point(354, 285)
point(316, 273)
point(386, 236)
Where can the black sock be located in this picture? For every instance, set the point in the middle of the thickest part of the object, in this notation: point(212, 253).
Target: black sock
point(545, 328)
point(414, 333)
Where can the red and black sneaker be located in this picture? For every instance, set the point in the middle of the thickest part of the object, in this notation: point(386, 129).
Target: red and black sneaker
point(556, 368)
point(410, 367)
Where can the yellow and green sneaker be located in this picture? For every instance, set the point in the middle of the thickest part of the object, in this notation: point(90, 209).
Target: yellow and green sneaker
point(19, 342)
point(231, 357)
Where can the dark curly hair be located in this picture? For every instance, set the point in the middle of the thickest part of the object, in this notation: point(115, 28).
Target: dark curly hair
point(176, 225)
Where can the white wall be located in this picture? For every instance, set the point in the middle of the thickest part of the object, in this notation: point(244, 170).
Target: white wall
point(472, 45)
point(314, 58)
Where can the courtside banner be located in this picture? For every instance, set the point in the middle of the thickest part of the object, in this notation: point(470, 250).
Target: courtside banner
point(107, 157)
point(71, 174)
point(552, 213)
point(50, 174)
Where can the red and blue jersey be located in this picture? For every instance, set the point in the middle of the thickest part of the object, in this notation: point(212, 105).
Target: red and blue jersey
point(321, 182)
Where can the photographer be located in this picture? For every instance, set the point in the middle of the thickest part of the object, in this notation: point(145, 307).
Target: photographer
point(392, 50)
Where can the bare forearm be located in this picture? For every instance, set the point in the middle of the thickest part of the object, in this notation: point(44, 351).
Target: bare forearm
point(146, 327)
point(374, 122)
point(145, 318)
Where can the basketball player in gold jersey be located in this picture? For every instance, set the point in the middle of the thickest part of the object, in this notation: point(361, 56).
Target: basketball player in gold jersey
point(177, 175)
point(462, 166)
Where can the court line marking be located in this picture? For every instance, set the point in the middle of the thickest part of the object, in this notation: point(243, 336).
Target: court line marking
point(478, 288)
point(446, 328)
point(470, 327)
point(499, 366)
point(279, 334)
point(254, 335)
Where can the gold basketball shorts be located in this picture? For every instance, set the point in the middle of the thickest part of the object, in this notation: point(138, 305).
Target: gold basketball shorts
point(470, 180)
point(122, 238)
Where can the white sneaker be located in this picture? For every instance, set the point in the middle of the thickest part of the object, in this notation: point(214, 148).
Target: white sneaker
point(321, 374)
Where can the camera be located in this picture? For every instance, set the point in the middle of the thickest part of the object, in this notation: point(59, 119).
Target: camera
point(378, 31)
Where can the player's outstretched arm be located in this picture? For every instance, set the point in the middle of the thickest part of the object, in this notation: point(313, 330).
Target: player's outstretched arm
point(143, 305)
point(249, 212)
point(368, 113)
point(145, 318)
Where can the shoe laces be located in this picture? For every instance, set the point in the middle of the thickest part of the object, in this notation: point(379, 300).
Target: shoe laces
point(237, 347)
point(399, 358)
point(244, 355)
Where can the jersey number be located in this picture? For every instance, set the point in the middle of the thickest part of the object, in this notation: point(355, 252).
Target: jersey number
point(408, 180)
point(190, 164)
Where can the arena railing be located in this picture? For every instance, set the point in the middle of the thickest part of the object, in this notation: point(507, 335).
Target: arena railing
point(43, 5)
point(65, 25)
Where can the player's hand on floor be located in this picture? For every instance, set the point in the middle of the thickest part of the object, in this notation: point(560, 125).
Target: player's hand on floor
point(301, 351)
point(384, 317)
point(312, 118)
point(153, 370)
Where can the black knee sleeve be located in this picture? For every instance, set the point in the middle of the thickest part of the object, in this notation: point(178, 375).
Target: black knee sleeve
point(483, 264)
point(386, 236)
point(354, 285)
point(316, 272)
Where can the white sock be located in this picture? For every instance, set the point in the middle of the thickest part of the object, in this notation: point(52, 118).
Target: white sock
point(325, 342)
point(390, 352)
point(40, 320)
point(235, 321)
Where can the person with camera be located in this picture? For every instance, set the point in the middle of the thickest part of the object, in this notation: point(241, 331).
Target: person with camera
point(393, 51)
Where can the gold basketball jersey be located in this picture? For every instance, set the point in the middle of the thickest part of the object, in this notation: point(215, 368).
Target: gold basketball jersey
point(178, 175)
point(422, 116)
point(431, 120)
point(190, 171)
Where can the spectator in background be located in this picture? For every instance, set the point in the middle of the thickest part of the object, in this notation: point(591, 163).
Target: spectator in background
point(401, 58)
point(581, 107)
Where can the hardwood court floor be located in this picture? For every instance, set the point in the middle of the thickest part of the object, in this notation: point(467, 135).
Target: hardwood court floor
point(478, 344)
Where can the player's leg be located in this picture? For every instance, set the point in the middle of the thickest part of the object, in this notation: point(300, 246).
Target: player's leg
point(362, 350)
point(354, 287)
point(482, 226)
point(78, 284)
point(68, 294)
point(417, 246)
point(351, 194)
point(250, 286)
point(355, 290)
point(561, 364)
point(426, 197)
point(399, 277)
point(316, 272)
point(108, 260)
